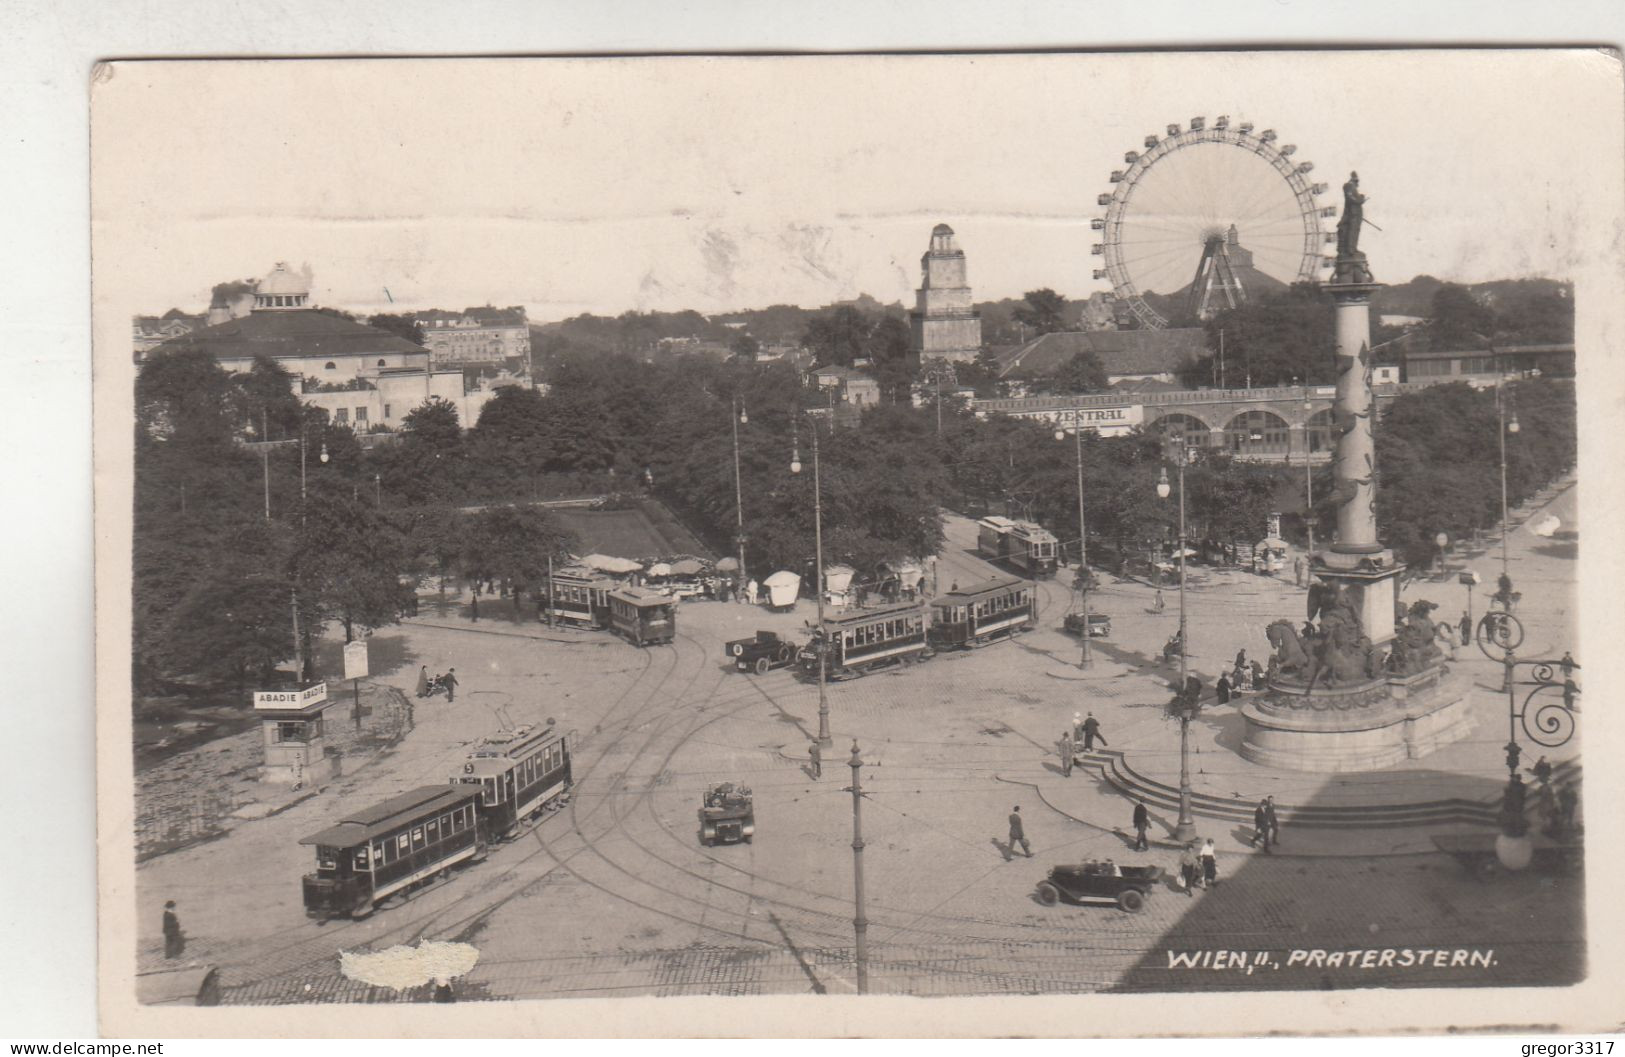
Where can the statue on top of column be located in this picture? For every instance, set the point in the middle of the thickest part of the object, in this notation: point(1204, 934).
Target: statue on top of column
point(1348, 227)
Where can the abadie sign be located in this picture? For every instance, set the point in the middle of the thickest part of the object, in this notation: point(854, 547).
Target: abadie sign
point(1103, 420)
point(290, 700)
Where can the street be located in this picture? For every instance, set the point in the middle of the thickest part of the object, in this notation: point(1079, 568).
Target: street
point(615, 896)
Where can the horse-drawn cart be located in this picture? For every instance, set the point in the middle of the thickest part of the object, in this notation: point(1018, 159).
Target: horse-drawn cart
point(1100, 883)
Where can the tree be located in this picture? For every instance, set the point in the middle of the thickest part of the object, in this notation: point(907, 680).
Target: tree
point(745, 347)
point(400, 324)
point(347, 562)
point(513, 545)
point(1083, 373)
point(1285, 337)
point(838, 336)
point(1458, 320)
point(268, 400)
point(1042, 310)
point(895, 365)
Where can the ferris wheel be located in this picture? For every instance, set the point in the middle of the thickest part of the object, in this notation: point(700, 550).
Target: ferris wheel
point(1203, 211)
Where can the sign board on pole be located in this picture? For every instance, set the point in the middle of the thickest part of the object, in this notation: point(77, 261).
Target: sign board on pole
point(291, 700)
point(355, 659)
point(1468, 577)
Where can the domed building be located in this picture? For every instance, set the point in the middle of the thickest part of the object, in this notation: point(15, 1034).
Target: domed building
point(944, 324)
point(362, 375)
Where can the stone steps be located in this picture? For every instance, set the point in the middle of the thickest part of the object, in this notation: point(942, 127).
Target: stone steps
point(1115, 768)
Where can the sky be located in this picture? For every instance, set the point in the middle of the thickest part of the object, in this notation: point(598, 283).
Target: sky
point(602, 185)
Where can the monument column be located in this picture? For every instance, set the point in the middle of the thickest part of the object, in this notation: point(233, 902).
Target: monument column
point(1348, 692)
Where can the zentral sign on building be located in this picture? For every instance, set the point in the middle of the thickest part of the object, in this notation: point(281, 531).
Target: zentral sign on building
point(1103, 420)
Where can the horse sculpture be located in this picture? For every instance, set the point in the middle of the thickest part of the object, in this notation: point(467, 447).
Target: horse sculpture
point(1289, 651)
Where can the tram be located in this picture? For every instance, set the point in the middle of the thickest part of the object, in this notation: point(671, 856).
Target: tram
point(520, 774)
point(391, 847)
point(642, 616)
point(976, 615)
point(1021, 544)
point(854, 643)
point(581, 596)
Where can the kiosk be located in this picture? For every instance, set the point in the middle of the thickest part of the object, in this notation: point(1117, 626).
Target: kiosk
point(295, 736)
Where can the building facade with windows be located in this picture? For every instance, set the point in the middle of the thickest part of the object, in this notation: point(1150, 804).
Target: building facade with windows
point(476, 335)
point(364, 377)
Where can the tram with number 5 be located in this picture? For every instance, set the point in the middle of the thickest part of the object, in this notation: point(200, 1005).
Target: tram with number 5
point(521, 775)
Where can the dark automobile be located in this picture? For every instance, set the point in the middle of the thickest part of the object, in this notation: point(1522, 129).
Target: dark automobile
point(727, 815)
point(761, 654)
point(1100, 625)
point(1100, 883)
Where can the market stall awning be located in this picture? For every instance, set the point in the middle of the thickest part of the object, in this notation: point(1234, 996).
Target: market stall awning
point(608, 563)
point(688, 567)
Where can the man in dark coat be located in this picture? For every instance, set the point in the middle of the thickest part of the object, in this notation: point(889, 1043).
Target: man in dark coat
point(449, 680)
point(1018, 835)
point(1142, 821)
point(1261, 826)
point(1091, 731)
point(1272, 820)
point(174, 938)
point(1223, 689)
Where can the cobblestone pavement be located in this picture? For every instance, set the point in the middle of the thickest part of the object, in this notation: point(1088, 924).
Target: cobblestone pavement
point(615, 896)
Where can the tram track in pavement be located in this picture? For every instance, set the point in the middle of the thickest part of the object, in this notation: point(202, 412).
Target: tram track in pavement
point(283, 958)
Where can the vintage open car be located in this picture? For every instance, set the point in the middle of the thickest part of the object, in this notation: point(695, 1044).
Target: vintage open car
point(1100, 625)
point(1100, 883)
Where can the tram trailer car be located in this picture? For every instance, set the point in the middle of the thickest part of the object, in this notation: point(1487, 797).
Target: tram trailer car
point(392, 847)
point(1023, 545)
point(581, 597)
point(856, 642)
point(642, 616)
point(519, 774)
point(976, 615)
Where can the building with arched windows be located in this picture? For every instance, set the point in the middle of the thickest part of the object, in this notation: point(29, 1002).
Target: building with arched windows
point(363, 376)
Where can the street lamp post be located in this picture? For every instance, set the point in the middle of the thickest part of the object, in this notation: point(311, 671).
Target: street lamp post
point(1083, 543)
point(1185, 829)
point(860, 922)
point(1441, 541)
point(1308, 480)
point(824, 739)
point(739, 419)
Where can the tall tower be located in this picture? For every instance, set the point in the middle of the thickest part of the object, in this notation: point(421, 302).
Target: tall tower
point(943, 322)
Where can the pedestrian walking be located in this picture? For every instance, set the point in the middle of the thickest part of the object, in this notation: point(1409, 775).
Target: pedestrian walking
point(1066, 754)
point(474, 604)
point(1091, 731)
point(1258, 674)
point(752, 592)
point(1159, 605)
point(1272, 819)
point(1018, 835)
point(1142, 822)
point(423, 681)
point(1188, 867)
point(1241, 659)
point(174, 938)
point(1223, 689)
point(1238, 678)
point(1261, 826)
point(1567, 664)
point(449, 680)
point(1210, 864)
point(815, 757)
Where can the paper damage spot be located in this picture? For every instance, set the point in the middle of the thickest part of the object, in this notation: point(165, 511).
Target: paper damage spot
point(405, 967)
